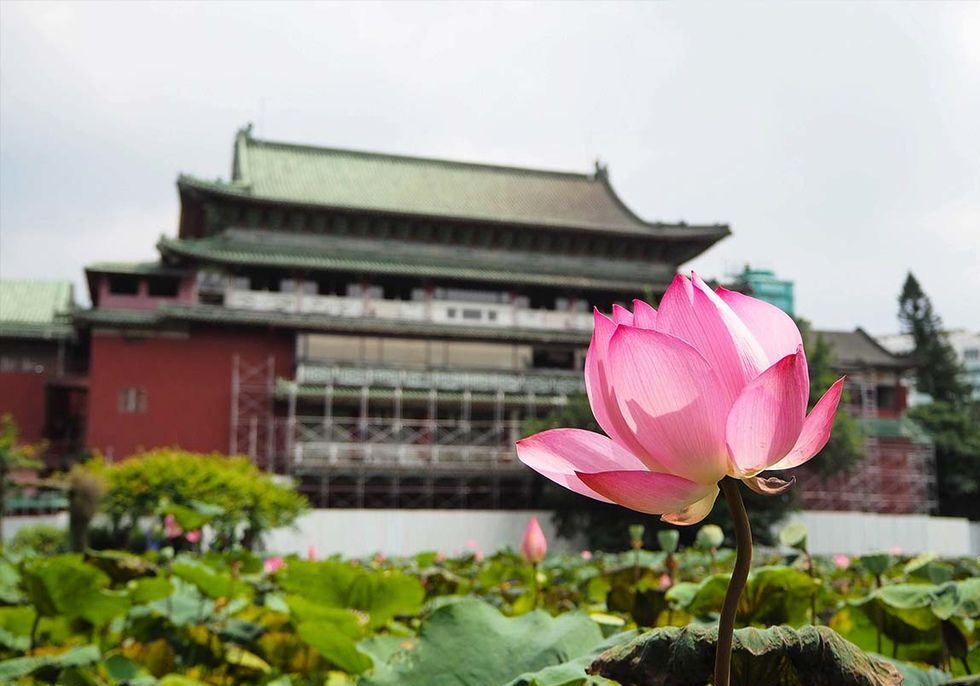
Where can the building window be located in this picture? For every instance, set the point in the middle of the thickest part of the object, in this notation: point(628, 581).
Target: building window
point(132, 400)
point(163, 287)
point(971, 354)
point(124, 284)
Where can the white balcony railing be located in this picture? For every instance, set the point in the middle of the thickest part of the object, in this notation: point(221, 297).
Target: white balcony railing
point(449, 312)
point(557, 382)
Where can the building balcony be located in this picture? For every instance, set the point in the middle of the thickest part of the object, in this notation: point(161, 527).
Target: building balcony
point(410, 445)
point(552, 382)
point(447, 312)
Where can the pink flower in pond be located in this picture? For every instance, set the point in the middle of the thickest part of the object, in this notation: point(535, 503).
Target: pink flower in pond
point(193, 536)
point(171, 528)
point(471, 544)
point(841, 561)
point(534, 545)
point(712, 384)
point(586, 554)
point(440, 557)
point(273, 564)
point(665, 582)
point(478, 556)
point(311, 553)
point(896, 550)
point(379, 557)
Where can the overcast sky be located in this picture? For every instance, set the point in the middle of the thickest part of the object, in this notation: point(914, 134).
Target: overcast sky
point(841, 141)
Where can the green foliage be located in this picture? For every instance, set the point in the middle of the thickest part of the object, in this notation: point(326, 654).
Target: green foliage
point(956, 436)
point(939, 373)
point(218, 619)
point(381, 595)
point(491, 649)
point(228, 492)
point(43, 539)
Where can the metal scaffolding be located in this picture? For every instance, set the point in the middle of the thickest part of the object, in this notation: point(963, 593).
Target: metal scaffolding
point(253, 425)
point(388, 447)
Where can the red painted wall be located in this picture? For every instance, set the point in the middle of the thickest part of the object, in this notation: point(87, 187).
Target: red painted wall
point(22, 395)
point(187, 382)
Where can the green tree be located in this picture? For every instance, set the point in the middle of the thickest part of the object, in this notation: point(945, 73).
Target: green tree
point(957, 439)
point(938, 371)
point(232, 494)
point(13, 456)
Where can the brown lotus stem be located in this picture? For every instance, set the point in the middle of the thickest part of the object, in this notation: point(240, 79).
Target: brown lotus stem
point(743, 561)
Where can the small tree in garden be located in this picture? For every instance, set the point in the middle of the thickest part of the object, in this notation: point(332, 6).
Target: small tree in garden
point(230, 493)
point(696, 400)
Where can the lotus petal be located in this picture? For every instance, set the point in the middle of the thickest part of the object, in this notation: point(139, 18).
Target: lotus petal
point(644, 316)
point(816, 429)
point(645, 491)
point(775, 330)
point(767, 418)
point(559, 453)
point(693, 513)
point(668, 396)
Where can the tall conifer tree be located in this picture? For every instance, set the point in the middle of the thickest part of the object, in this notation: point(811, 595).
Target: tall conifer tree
point(939, 373)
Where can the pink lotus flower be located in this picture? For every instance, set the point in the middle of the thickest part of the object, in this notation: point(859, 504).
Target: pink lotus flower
point(841, 561)
point(714, 383)
point(193, 536)
point(665, 582)
point(586, 554)
point(535, 545)
point(273, 564)
point(171, 528)
point(311, 553)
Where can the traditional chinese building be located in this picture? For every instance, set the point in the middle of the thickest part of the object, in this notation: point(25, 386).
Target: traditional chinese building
point(41, 387)
point(379, 326)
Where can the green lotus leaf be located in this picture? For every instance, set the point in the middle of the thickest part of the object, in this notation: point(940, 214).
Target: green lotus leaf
point(470, 642)
point(779, 656)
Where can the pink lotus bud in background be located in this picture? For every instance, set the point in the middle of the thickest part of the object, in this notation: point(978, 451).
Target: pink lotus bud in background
point(273, 564)
point(535, 545)
point(478, 556)
point(841, 561)
point(379, 557)
point(586, 554)
point(471, 543)
point(311, 553)
point(171, 528)
point(713, 384)
point(440, 557)
point(193, 536)
point(665, 582)
point(896, 550)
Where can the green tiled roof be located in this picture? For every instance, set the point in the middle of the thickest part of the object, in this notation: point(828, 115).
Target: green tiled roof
point(859, 350)
point(347, 179)
point(216, 314)
point(303, 251)
point(149, 268)
point(35, 308)
point(880, 427)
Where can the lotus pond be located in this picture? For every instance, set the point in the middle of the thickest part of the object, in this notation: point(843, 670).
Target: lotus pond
point(185, 619)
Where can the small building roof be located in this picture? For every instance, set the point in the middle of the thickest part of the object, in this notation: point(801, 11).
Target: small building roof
point(397, 184)
point(33, 308)
point(859, 350)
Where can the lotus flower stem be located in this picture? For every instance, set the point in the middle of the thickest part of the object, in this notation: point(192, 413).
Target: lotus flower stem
point(743, 561)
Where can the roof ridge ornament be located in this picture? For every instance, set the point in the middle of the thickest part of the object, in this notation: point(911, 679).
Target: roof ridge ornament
point(601, 170)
